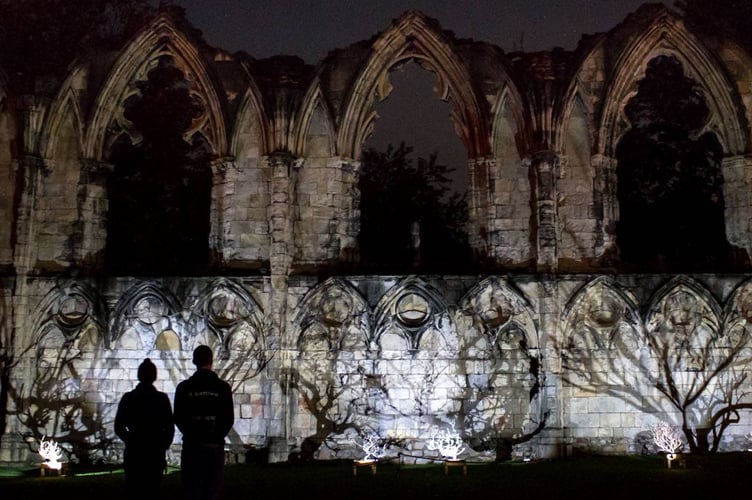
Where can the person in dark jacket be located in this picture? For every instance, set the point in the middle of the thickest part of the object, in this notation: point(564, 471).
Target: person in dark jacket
point(204, 413)
point(144, 423)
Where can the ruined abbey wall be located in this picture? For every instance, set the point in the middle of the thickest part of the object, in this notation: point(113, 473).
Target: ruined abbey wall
point(555, 346)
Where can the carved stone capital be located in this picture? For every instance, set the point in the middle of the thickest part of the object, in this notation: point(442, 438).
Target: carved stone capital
point(281, 158)
point(96, 168)
point(221, 165)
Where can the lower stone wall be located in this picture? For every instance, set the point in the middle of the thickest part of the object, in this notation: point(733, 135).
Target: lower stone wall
point(520, 367)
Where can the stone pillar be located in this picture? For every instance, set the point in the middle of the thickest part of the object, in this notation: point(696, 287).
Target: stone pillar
point(281, 242)
point(606, 203)
point(545, 169)
point(737, 179)
point(549, 299)
point(217, 210)
point(479, 195)
point(349, 218)
point(31, 168)
point(93, 206)
point(280, 260)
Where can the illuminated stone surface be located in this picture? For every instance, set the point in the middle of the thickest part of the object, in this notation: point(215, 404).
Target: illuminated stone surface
point(550, 348)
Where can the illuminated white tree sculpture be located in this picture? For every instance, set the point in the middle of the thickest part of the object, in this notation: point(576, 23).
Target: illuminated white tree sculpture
point(51, 452)
point(668, 439)
point(448, 443)
point(373, 446)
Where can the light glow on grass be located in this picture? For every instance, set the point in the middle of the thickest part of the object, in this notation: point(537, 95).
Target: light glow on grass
point(12, 472)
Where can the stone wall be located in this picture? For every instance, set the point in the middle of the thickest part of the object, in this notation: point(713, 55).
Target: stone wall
point(541, 367)
point(525, 358)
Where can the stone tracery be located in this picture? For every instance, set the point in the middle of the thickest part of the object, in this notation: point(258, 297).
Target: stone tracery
point(314, 357)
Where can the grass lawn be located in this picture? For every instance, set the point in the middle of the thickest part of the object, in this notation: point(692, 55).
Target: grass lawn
point(634, 477)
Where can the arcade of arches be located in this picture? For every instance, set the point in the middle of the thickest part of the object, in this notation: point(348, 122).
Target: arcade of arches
point(170, 194)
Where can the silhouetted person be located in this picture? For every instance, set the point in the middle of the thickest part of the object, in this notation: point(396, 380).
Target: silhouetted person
point(204, 414)
point(144, 423)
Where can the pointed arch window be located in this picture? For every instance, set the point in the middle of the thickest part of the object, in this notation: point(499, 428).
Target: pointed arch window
point(160, 190)
point(670, 184)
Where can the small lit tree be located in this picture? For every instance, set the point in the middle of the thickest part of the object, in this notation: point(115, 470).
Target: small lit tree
point(668, 439)
point(448, 443)
point(373, 446)
point(51, 452)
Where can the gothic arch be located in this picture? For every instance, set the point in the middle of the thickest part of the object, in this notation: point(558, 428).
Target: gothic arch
point(737, 312)
point(337, 311)
point(494, 306)
point(684, 301)
point(413, 36)
point(576, 230)
point(160, 302)
point(250, 115)
point(230, 311)
point(409, 309)
point(160, 38)
point(66, 101)
point(596, 313)
point(69, 308)
point(575, 102)
point(668, 36)
point(501, 188)
point(314, 105)
point(509, 103)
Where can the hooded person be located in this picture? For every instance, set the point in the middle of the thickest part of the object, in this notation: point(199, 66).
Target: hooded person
point(144, 423)
point(204, 414)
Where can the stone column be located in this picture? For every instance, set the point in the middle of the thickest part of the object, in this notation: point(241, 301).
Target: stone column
point(31, 168)
point(217, 208)
point(545, 169)
point(606, 203)
point(737, 179)
point(281, 242)
point(479, 195)
point(280, 260)
point(349, 218)
point(93, 206)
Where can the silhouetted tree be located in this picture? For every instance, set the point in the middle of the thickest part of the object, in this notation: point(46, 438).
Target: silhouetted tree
point(400, 196)
point(160, 191)
point(719, 17)
point(670, 184)
point(42, 37)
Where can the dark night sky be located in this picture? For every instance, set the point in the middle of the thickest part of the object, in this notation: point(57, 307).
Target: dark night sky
point(310, 29)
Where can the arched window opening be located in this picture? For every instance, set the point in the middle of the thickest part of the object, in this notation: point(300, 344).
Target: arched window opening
point(160, 190)
point(413, 182)
point(670, 184)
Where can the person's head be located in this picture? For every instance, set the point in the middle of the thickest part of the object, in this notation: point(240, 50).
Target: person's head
point(203, 357)
point(147, 372)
